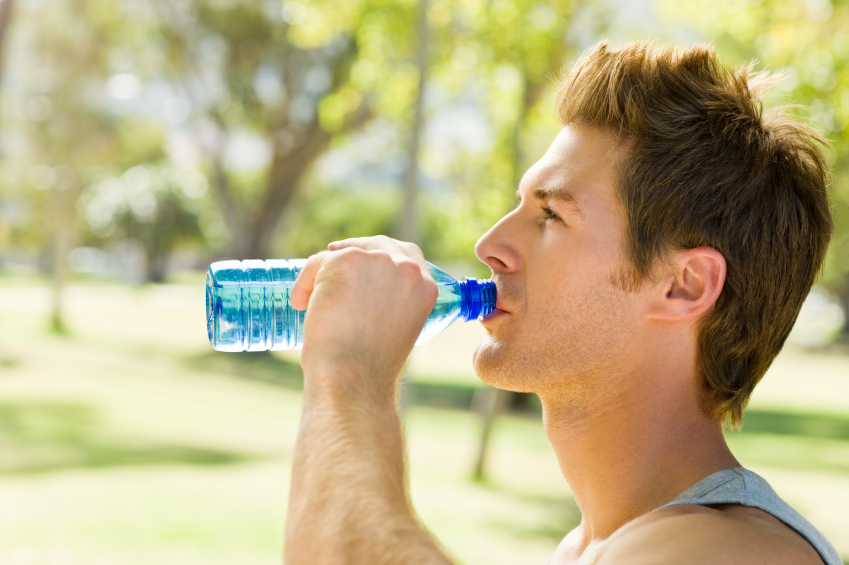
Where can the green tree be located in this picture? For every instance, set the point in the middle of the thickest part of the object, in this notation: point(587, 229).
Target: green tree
point(509, 52)
point(297, 77)
point(67, 130)
point(154, 204)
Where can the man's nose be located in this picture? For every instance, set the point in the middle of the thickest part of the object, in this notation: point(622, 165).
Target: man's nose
point(496, 248)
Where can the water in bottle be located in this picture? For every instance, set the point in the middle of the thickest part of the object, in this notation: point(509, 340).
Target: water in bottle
point(247, 304)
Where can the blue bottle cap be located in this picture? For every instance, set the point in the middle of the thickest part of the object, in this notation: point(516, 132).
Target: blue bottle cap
point(478, 298)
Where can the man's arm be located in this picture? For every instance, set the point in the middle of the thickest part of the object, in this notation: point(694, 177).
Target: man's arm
point(349, 502)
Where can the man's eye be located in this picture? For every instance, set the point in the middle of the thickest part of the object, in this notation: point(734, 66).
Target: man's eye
point(551, 215)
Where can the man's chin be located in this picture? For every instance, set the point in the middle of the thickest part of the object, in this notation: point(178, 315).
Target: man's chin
point(496, 366)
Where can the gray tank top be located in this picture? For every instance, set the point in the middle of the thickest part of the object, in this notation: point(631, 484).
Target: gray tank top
point(741, 486)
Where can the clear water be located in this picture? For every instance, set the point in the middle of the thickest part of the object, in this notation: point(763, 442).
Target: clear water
point(247, 304)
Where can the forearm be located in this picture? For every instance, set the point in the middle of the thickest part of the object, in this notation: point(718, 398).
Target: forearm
point(349, 500)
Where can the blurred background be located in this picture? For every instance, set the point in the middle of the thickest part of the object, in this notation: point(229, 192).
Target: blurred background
point(140, 140)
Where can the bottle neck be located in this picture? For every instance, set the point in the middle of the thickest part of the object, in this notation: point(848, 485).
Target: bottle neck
point(477, 298)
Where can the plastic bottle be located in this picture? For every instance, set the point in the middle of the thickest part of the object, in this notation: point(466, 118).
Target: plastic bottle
point(247, 304)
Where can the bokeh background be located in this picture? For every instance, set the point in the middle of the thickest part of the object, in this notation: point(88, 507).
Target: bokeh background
point(142, 139)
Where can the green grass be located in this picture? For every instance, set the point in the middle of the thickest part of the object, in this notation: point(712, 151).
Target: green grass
point(129, 441)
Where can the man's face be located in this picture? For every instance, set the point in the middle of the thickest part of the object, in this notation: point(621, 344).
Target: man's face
point(563, 326)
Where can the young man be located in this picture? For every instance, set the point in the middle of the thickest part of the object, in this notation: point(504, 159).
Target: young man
point(656, 261)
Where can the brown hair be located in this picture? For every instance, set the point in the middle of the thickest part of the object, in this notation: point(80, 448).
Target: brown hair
point(704, 165)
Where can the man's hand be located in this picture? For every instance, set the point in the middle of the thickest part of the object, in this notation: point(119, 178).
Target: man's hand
point(368, 300)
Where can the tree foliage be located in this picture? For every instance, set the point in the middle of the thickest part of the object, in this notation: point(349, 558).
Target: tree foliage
point(138, 83)
point(488, 111)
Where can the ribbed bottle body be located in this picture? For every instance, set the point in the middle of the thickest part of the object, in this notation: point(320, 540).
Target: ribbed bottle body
point(248, 309)
point(247, 305)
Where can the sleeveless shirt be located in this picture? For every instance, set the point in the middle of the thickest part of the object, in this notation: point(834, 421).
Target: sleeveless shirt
point(741, 486)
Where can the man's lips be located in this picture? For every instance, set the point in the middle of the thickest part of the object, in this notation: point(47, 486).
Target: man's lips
point(500, 309)
point(494, 315)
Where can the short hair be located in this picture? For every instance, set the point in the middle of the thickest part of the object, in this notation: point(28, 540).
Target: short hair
point(704, 165)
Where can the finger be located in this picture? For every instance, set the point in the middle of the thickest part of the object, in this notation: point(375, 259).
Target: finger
point(379, 244)
point(411, 250)
point(299, 296)
point(382, 243)
point(398, 250)
point(368, 243)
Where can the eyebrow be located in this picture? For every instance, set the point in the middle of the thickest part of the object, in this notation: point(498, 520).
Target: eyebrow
point(547, 192)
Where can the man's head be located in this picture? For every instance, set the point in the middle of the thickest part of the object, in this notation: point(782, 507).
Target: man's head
point(691, 161)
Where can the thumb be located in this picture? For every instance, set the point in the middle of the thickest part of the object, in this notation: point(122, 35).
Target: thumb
point(304, 285)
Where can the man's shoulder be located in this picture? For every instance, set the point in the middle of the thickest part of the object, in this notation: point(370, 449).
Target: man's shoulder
point(728, 533)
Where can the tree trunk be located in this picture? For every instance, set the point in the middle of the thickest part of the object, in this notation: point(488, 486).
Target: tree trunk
point(287, 170)
point(492, 407)
point(254, 233)
point(490, 403)
point(408, 227)
point(63, 233)
point(5, 18)
point(844, 302)
point(157, 265)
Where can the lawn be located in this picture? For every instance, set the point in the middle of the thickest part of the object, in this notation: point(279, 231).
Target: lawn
point(129, 441)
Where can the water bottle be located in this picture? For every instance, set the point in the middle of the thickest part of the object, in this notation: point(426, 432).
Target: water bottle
point(247, 304)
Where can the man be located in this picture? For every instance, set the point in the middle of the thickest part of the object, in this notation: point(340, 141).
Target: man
point(656, 261)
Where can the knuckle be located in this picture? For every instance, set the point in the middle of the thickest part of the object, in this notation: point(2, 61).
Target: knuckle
point(411, 249)
point(415, 281)
point(350, 255)
point(410, 270)
point(383, 258)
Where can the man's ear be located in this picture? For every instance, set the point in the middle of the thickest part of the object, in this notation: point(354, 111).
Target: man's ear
point(691, 285)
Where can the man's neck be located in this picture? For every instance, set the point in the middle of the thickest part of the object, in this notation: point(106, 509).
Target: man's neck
point(636, 451)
